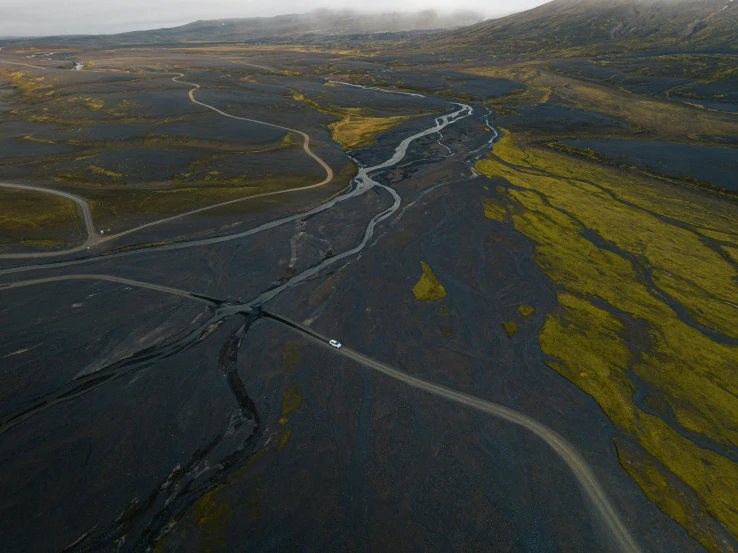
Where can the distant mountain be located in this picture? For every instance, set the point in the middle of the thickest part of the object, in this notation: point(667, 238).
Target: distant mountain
point(631, 24)
point(289, 28)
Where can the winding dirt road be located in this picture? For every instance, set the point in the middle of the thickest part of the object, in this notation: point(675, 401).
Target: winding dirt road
point(94, 239)
point(83, 204)
point(362, 184)
point(110, 278)
point(579, 467)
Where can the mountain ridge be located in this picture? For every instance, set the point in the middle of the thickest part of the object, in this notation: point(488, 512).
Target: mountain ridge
point(631, 24)
point(286, 27)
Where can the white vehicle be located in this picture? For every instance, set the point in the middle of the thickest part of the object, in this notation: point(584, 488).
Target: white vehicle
point(335, 343)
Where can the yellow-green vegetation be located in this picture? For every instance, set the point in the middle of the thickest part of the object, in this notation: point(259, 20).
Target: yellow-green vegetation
point(93, 104)
point(428, 288)
point(670, 495)
point(525, 310)
point(212, 512)
point(290, 355)
point(114, 207)
point(27, 86)
point(680, 263)
point(527, 73)
point(357, 131)
point(732, 251)
point(106, 172)
point(447, 328)
point(355, 128)
point(494, 210)
point(688, 65)
point(640, 294)
point(323, 291)
point(31, 218)
point(211, 515)
point(40, 140)
point(291, 401)
point(511, 327)
point(662, 118)
point(283, 438)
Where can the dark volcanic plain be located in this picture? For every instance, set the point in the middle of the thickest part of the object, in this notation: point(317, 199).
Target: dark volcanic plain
point(153, 399)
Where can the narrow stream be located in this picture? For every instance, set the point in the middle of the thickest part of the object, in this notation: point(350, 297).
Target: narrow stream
point(147, 357)
point(143, 524)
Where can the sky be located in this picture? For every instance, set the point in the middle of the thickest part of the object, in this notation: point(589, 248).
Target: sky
point(55, 17)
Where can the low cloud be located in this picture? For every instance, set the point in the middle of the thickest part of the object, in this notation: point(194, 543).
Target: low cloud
point(52, 17)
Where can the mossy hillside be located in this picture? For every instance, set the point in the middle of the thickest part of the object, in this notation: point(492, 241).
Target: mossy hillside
point(693, 65)
point(659, 117)
point(600, 248)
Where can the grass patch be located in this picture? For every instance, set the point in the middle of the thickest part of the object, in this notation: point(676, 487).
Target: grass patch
point(511, 328)
point(354, 128)
point(356, 131)
point(494, 210)
point(428, 288)
point(291, 401)
point(624, 252)
point(662, 118)
point(116, 207)
point(27, 86)
point(30, 218)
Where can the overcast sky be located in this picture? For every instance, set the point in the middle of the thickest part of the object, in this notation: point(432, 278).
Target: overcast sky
point(48, 17)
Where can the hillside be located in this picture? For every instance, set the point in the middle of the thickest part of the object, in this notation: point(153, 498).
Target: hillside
point(285, 28)
point(622, 24)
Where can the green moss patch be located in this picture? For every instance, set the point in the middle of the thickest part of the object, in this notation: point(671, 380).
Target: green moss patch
point(428, 288)
point(511, 327)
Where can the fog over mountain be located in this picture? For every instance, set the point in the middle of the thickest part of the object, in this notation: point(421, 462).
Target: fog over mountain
point(51, 17)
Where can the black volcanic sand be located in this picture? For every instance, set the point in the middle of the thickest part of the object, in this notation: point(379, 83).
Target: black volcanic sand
point(618, 76)
point(555, 118)
point(77, 339)
point(715, 165)
point(114, 448)
point(698, 79)
point(256, 440)
point(721, 94)
point(243, 436)
point(203, 126)
point(475, 87)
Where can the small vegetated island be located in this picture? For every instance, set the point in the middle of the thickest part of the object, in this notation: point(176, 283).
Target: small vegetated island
point(522, 231)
